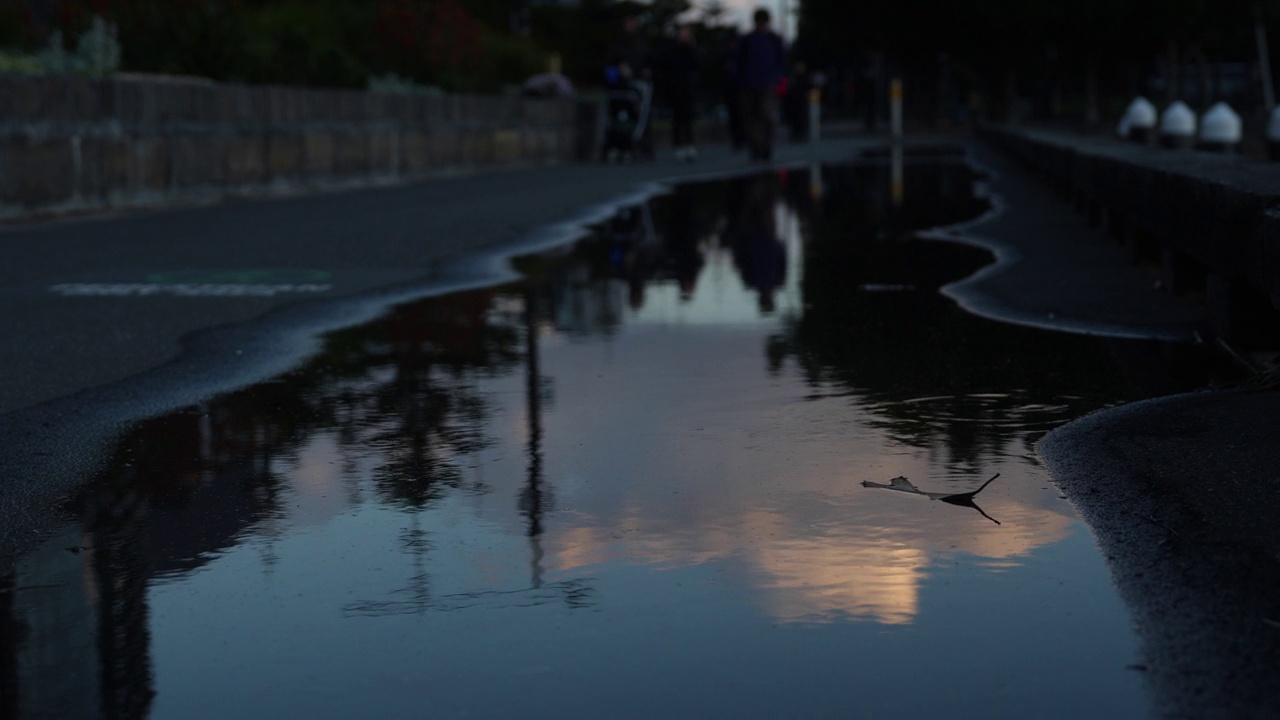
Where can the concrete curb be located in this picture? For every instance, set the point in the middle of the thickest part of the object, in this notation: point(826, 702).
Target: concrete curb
point(1210, 222)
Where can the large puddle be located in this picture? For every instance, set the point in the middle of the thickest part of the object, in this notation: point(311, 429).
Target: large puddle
point(631, 486)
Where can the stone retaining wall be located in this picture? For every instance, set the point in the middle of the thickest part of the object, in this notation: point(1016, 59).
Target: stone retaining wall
point(1210, 222)
point(73, 144)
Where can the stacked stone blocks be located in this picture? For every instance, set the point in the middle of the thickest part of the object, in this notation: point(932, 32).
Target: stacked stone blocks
point(70, 144)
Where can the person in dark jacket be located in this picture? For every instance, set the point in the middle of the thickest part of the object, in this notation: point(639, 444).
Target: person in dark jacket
point(680, 76)
point(760, 63)
point(796, 102)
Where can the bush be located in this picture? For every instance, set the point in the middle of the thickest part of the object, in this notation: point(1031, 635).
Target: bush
point(391, 45)
point(97, 53)
point(311, 43)
point(17, 30)
point(393, 83)
point(19, 63)
point(189, 37)
point(505, 61)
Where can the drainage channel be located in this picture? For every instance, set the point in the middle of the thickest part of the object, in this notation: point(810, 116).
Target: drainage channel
point(727, 456)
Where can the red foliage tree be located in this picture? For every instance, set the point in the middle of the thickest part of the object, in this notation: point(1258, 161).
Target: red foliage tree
point(422, 38)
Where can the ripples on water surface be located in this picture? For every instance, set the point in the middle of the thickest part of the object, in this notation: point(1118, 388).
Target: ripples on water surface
point(629, 487)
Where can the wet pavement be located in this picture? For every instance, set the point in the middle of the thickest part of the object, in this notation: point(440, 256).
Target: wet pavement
point(630, 485)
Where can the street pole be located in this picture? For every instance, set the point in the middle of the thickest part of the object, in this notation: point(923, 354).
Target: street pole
point(1264, 64)
point(896, 186)
point(895, 108)
point(815, 113)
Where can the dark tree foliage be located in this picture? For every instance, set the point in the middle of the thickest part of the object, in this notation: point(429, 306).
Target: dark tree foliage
point(582, 35)
point(1046, 57)
point(1083, 58)
point(19, 24)
point(469, 45)
point(457, 44)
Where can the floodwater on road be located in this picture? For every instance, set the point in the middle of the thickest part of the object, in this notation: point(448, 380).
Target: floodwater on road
point(629, 486)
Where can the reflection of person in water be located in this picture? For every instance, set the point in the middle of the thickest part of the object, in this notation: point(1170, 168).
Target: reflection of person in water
point(633, 252)
point(683, 254)
point(758, 252)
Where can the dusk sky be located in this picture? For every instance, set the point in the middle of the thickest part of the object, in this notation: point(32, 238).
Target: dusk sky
point(742, 9)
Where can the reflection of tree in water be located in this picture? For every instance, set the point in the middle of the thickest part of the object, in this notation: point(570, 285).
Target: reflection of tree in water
point(405, 392)
point(180, 488)
point(11, 638)
point(876, 328)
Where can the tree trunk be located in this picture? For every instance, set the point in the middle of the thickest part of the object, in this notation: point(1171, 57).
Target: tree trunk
point(1203, 84)
point(1091, 111)
point(1172, 76)
point(1217, 87)
point(1011, 94)
point(1264, 60)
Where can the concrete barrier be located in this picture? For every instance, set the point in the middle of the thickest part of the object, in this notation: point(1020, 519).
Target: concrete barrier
point(1210, 223)
point(1221, 129)
point(1178, 126)
point(70, 144)
point(1138, 123)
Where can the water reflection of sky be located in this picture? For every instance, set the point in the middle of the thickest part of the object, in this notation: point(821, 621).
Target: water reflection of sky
point(624, 490)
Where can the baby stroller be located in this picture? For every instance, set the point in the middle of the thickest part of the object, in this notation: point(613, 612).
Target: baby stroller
point(626, 126)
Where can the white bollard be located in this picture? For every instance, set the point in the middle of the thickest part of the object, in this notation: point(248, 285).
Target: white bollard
point(1178, 126)
point(1221, 129)
point(1139, 121)
point(1273, 135)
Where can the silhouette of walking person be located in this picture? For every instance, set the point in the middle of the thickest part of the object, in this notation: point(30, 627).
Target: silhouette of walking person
point(760, 63)
point(758, 252)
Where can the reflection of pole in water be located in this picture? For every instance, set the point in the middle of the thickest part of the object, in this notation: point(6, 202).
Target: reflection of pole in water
point(816, 187)
point(414, 542)
point(206, 443)
point(896, 190)
point(531, 499)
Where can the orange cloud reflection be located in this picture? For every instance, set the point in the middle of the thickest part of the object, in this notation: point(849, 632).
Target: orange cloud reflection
point(861, 556)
